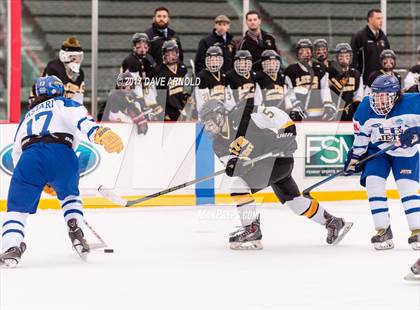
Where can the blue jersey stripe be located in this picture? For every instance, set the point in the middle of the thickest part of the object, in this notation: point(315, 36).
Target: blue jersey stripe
point(412, 210)
point(13, 222)
point(91, 131)
point(70, 211)
point(79, 123)
point(71, 201)
point(9, 231)
point(381, 210)
point(408, 198)
point(377, 199)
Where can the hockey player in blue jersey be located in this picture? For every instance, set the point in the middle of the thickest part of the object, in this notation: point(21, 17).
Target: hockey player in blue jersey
point(388, 117)
point(44, 153)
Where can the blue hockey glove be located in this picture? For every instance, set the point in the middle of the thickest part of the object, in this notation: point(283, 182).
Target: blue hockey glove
point(410, 137)
point(351, 165)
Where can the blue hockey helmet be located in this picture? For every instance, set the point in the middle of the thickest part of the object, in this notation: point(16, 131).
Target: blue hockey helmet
point(385, 91)
point(51, 86)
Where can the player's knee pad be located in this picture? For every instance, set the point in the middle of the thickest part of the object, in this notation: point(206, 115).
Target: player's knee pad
point(376, 186)
point(286, 190)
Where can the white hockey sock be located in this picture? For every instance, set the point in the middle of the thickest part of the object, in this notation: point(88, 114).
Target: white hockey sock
point(13, 229)
point(72, 208)
point(376, 190)
point(247, 208)
point(307, 207)
point(411, 201)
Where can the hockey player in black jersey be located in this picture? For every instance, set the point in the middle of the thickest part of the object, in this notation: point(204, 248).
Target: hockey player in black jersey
point(139, 61)
point(311, 96)
point(240, 81)
point(321, 52)
point(345, 83)
point(269, 129)
point(388, 61)
point(123, 105)
point(212, 79)
point(67, 68)
point(170, 77)
point(270, 82)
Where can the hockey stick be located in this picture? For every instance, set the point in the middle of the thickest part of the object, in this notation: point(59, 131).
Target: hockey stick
point(102, 243)
point(108, 194)
point(306, 192)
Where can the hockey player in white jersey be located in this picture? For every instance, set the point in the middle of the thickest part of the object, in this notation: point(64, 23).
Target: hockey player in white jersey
point(383, 118)
point(44, 153)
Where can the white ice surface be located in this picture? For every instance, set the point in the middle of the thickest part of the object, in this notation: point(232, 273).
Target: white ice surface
point(178, 258)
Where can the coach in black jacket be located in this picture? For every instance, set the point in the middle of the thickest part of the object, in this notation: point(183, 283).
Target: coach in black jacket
point(159, 33)
point(368, 43)
point(256, 40)
point(220, 37)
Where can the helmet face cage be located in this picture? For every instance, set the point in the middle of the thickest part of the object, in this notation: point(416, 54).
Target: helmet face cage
point(321, 49)
point(213, 122)
point(271, 66)
point(382, 102)
point(344, 59)
point(242, 66)
point(214, 63)
point(170, 56)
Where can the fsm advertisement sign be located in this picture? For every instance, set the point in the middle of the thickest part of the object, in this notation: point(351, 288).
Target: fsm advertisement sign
point(326, 154)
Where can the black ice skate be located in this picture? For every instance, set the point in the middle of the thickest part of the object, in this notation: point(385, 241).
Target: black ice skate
point(12, 256)
point(414, 239)
point(383, 239)
point(414, 275)
point(337, 228)
point(77, 239)
point(247, 238)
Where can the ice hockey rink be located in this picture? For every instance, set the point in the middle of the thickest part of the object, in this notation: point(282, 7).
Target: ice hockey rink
point(178, 258)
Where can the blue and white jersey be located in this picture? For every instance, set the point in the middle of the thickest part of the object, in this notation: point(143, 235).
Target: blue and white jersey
point(372, 131)
point(55, 115)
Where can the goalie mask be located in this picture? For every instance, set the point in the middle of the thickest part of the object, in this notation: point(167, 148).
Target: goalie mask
point(344, 54)
point(170, 52)
point(304, 49)
point(385, 92)
point(271, 62)
point(125, 81)
point(213, 116)
point(321, 49)
point(214, 58)
point(242, 62)
point(388, 60)
point(140, 43)
point(71, 54)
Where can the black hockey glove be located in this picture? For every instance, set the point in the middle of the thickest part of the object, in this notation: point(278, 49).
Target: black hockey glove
point(235, 166)
point(297, 113)
point(329, 112)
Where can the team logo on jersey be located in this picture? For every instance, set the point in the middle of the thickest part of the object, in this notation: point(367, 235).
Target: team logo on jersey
point(399, 122)
point(89, 159)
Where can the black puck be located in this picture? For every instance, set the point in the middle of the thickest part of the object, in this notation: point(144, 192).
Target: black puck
point(109, 250)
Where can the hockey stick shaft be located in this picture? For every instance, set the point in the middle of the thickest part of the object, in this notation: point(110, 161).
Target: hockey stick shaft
point(127, 203)
point(102, 243)
point(306, 192)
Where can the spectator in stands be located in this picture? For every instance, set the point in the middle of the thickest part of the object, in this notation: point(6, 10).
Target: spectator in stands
point(256, 40)
point(368, 43)
point(221, 37)
point(412, 78)
point(67, 68)
point(160, 32)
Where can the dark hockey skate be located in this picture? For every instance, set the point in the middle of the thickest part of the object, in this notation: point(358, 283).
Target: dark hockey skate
point(337, 228)
point(77, 239)
point(12, 256)
point(414, 239)
point(247, 238)
point(383, 239)
point(414, 275)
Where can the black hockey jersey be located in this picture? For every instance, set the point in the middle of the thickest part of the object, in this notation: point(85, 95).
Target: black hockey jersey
point(143, 65)
point(72, 87)
point(347, 90)
point(212, 86)
point(170, 89)
point(312, 97)
point(242, 87)
point(272, 90)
